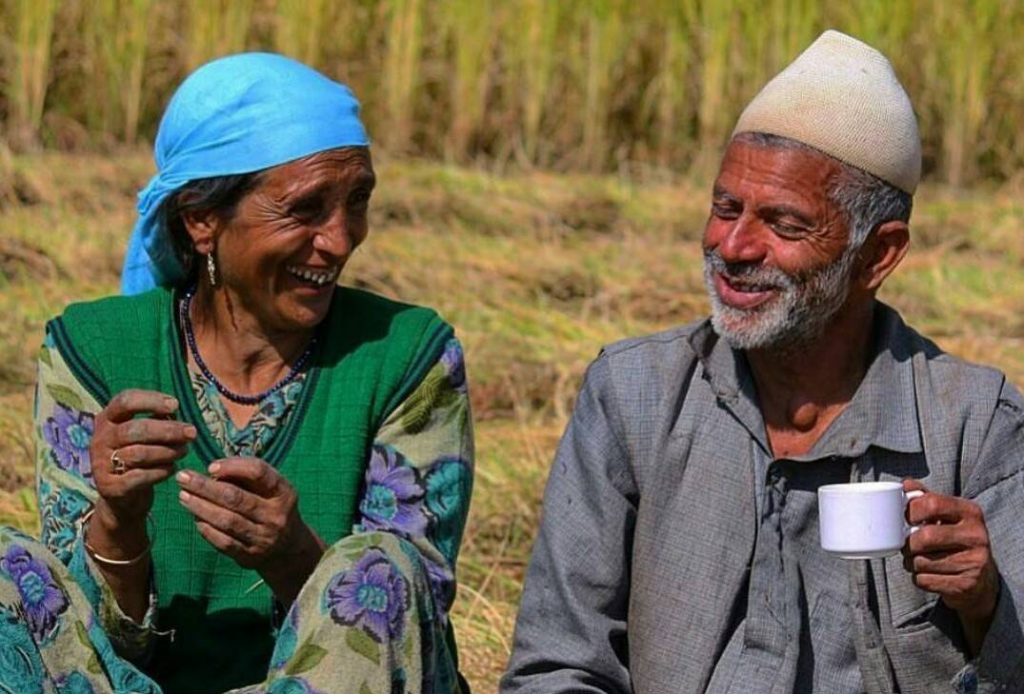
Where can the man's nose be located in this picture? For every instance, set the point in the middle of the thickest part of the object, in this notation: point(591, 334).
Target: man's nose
point(742, 241)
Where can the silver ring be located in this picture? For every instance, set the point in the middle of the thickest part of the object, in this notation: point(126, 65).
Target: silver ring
point(117, 466)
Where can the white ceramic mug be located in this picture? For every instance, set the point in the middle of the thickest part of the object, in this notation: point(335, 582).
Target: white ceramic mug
point(864, 520)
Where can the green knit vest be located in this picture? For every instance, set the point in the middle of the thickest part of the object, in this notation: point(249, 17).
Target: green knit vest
point(371, 354)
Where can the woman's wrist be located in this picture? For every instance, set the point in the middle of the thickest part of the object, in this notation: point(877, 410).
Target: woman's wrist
point(115, 537)
point(121, 552)
point(289, 573)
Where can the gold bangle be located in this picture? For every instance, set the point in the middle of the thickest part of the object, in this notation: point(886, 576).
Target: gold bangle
point(96, 556)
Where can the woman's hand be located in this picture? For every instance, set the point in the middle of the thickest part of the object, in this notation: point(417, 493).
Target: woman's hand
point(248, 511)
point(146, 450)
point(146, 447)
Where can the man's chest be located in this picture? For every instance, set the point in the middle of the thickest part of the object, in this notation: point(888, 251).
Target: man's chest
point(728, 535)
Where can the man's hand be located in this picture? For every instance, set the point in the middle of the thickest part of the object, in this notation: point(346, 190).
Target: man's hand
point(950, 555)
point(248, 511)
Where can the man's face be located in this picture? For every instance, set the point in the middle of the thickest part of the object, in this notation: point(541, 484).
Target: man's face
point(777, 259)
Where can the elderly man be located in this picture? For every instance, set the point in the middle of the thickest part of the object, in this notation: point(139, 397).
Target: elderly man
point(679, 549)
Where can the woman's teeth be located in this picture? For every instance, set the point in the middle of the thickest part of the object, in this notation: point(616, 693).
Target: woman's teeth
point(317, 277)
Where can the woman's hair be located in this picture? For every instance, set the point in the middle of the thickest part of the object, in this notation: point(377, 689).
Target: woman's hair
point(218, 195)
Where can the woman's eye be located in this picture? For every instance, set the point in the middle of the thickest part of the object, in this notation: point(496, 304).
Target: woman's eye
point(359, 198)
point(306, 210)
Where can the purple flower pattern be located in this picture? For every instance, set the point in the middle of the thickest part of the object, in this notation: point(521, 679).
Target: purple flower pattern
point(42, 599)
point(372, 594)
point(68, 433)
point(442, 588)
point(454, 365)
point(394, 495)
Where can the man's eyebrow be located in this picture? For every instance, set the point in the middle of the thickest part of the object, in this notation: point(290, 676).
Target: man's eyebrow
point(720, 193)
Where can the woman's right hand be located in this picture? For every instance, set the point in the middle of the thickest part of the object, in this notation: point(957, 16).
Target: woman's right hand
point(147, 446)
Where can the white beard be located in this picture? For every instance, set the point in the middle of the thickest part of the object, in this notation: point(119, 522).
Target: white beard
point(799, 312)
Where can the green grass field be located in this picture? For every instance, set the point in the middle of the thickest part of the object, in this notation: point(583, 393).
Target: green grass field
point(536, 271)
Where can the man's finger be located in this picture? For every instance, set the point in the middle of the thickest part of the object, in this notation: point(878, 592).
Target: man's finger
point(912, 485)
point(946, 563)
point(909, 559)
point(128, 403)
point(932, 508)
point(956, 591)
point(939, 583)
point(929, 539)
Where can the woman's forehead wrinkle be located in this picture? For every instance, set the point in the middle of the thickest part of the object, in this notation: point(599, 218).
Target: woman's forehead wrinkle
point(279, 194)
point(298, 187)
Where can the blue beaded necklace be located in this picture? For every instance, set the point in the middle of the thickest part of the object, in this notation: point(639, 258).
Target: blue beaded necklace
point(193, 348)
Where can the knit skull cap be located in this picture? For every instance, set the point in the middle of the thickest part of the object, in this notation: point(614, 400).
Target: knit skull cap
point(842, 97)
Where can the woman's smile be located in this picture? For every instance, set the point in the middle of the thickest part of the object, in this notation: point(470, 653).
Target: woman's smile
point(315, 277)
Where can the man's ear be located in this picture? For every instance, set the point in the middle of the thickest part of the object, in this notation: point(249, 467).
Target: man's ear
point(202, 226)
point(882, 252)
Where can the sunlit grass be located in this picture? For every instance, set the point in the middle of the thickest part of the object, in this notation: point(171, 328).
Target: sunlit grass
point(400, 74)
point(605, 85)
point(214, 28)
point(299, 29)
point(115, 38)
point(28, 26)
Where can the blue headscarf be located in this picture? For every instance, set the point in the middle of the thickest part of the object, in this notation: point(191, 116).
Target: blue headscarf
point(234, 115)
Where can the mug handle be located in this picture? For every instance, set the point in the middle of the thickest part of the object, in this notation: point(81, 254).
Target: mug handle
point(909, 529)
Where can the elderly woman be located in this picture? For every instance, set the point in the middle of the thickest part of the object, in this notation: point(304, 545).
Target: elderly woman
point(250, 478)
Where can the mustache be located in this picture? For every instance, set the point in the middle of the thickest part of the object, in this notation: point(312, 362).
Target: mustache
point(748, 275)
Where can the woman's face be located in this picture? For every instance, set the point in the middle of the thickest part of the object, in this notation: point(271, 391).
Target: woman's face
point(280, 255)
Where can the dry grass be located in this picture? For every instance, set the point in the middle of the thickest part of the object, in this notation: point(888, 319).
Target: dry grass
point(573, 85)
point(536, 271)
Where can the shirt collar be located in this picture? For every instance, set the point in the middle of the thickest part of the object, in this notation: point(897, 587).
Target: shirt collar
point(730, 379)
point(882, 413)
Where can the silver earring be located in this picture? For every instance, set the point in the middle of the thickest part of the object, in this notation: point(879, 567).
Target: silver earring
point(211, 268)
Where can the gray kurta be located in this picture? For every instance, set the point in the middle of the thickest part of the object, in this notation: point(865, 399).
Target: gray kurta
point(677, 555)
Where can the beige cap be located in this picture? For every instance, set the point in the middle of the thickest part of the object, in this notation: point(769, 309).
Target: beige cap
point(842, 97)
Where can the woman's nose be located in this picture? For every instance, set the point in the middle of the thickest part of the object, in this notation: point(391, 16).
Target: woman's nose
point(333, 237)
